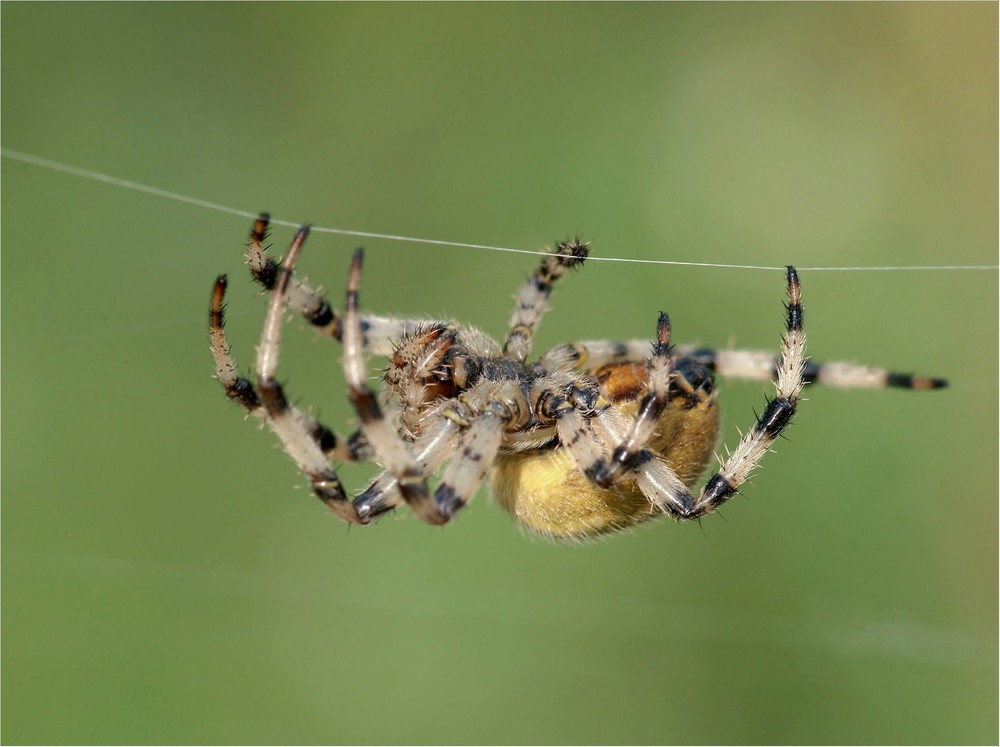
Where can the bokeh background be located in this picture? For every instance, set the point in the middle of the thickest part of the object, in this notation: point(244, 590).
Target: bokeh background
point(166, 577)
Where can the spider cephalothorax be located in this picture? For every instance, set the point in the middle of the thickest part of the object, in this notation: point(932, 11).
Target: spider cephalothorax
point(590, 438)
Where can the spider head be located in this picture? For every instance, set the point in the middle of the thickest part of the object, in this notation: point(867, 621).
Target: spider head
point(424, 360)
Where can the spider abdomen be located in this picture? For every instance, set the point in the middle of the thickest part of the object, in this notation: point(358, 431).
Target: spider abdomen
point(546, 493)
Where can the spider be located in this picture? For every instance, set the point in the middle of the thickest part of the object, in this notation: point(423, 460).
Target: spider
point(591, 438)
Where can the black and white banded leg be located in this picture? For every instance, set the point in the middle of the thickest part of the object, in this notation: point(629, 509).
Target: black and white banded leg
point(585, 433)
point(430, 451)
point(631, 458)
point(378, 332)
point(476, 452)
point(661, 484)
point(389, 448)
point(757, 365)
point(533, 299)
point(631, 451)
point(290, 429)
point(241, 391)
point(776, 416)
point(762, 365)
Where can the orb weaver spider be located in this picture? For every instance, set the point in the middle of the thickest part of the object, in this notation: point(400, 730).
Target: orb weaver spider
point(590, 438)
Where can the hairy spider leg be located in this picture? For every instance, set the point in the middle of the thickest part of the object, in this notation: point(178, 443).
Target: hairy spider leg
point(390, 450)
point(779, 411)
point(237, 388)
point(240, 390)
point(290, 430)
point(658, 482)
point(627, 454)
point(476, 453)
point(582, 428)
point(631, 458)
point(378, 332)
point(533, 299)
point(430, 451)
point(758, 364)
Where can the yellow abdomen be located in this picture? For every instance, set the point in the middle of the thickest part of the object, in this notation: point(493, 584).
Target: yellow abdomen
point(547, 495)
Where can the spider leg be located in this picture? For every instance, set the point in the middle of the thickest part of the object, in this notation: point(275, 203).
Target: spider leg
point(578, 436)
point(753, 364)
point(560, 359)
point(240, 390)
point(389, 448)
point(629, 450)
point(480, 442)
point(631, 459)
point(758, 364)
point(655, 479)
point(752, 447)
point(585, 424)
point(532, 300)
point(378, 332)
point(429, 451)
point(295, 437)
point(477, 451)
point(592, 354)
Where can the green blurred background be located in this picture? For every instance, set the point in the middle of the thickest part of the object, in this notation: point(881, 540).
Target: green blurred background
point(166, 577)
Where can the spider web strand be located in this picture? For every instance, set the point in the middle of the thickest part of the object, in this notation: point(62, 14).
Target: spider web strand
point(166, 194)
